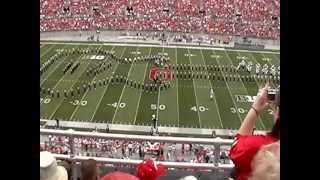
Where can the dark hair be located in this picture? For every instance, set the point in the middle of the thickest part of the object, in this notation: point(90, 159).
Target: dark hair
point(234, 173)
point(275, 132)
point(89, 170)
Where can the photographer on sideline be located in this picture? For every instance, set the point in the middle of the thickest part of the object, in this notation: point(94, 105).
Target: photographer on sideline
point(246, 145)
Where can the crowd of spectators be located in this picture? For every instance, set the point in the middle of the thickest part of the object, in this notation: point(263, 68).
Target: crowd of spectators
point(228, 17)
point(51, 169)
point(121, 149)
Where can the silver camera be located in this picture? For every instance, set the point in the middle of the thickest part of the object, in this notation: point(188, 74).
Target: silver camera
point(272, 93)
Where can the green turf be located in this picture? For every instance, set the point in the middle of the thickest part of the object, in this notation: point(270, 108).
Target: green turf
point(185, 104)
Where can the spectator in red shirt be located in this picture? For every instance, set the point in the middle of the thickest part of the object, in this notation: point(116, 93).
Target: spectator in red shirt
point(246, 144)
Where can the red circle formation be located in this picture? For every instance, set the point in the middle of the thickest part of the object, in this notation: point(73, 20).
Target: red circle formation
point(155, 71)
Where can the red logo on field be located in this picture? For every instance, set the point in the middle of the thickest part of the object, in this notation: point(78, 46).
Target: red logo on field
point(155, 72)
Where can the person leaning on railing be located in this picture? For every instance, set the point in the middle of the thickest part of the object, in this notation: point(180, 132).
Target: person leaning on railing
point(246, 144)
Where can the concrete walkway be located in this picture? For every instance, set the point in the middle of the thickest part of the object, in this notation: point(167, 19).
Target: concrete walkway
point(140, 129)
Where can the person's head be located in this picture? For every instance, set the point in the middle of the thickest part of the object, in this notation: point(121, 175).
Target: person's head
point(49, 170)
point(89, 170)
point(189, 178)
point(266, 163)
point(119, 176)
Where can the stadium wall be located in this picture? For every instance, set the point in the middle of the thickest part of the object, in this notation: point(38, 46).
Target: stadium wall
point(154, 38)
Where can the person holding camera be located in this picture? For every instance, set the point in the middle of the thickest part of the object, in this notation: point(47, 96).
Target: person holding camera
point(246, 144)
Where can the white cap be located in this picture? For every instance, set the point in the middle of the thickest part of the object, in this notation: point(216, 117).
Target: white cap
point(189, 178)
point(49, 169)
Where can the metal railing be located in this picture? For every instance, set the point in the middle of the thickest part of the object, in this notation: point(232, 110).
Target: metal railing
point(216, 142)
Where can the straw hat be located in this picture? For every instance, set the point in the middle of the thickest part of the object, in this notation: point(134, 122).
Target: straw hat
point(49, 170)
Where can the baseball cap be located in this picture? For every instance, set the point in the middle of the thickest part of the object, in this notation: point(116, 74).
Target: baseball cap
point(149, 170)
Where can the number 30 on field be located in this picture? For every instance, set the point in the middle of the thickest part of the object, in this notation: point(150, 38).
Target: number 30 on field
point(240, 110)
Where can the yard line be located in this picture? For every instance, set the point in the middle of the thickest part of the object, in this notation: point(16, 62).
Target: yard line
point(61, 101)
point(105, 89)
point(214, 96)
point(61, 79)
point(135, 117)
point(53, 70)
point(228, 57)
point(158, 103)
point(159, 95)
point(170, 46)
point(195, 94)
point(124, 87)
point(177, 87)
point(275, 57)
point(235, 105)
point(47, 50)
point(87, 91)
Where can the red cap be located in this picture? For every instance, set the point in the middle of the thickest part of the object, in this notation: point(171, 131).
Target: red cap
point(244, 149)
point(148, 170)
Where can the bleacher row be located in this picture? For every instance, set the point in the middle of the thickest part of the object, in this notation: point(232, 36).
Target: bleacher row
point(228, 17)
point(201, 160)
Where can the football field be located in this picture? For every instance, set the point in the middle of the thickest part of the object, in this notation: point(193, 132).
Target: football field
point(185, 103)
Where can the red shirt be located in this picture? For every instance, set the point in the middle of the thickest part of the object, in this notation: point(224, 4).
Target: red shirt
point(244, 149)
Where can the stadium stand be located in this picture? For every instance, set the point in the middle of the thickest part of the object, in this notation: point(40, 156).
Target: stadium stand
point(83, 150)
point(240, 17)
point(220, 166)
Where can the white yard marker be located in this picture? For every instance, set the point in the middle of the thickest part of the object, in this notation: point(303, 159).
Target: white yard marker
point(124, 87)
point(195, 94)
point(97, 106)
point(159, 95)
point(87, 91)
point(135, 117)
point(235, 105)
point(46, 51)
point(52, 71)
point(176, 59)
point(214, 96)
point(244, 87)
point(61, 101)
